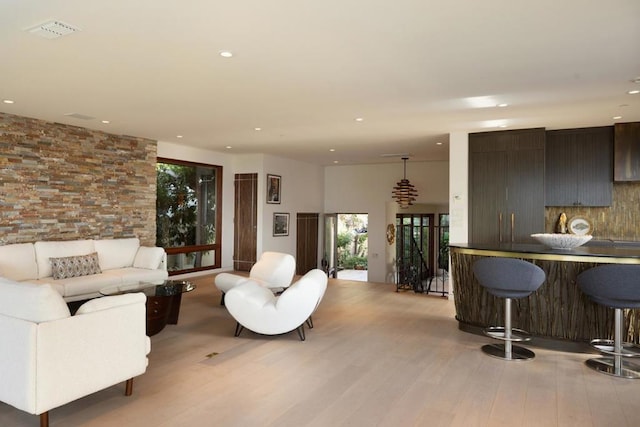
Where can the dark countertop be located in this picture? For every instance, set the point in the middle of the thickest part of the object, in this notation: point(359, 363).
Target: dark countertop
point(599, 251)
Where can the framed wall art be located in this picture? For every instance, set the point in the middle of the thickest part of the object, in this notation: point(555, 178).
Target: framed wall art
point(274, 188)
point(280, 224)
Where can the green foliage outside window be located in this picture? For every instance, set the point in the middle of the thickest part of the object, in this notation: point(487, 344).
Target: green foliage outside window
point(176, 205)
point(185, 205)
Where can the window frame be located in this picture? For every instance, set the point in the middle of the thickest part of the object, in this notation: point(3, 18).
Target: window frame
point(217, 246)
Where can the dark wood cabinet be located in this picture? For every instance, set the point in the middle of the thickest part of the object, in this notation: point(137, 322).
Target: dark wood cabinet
point(506, 185)
point(579, 167)
point(627, 151)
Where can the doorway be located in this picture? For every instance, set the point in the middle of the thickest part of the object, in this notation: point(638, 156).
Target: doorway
point(346, 246)
point(414, 251)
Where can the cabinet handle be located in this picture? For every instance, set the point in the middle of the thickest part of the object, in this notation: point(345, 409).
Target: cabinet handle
point(500, 228)
point(513, 224)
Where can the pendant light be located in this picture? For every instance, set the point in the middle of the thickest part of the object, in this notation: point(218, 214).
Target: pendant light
point(404, 192)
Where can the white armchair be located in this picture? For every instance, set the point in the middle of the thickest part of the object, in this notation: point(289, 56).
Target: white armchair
point(50, 358)
point(273, 270)
point(256, 308)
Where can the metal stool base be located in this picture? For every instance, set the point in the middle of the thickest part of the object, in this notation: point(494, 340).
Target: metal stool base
point(608, 347)
point(606, 365)
point(499, 333)
point(518, 353)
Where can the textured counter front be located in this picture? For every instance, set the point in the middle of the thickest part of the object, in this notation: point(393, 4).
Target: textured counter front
point(558, 310)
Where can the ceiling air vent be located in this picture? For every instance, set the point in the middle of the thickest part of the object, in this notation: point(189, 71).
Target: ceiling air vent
point(53, 29)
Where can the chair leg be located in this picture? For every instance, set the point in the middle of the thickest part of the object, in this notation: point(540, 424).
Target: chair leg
point(310, 322)
point(44, 419)
point(128, 391)
point(301, 332)
point(222, 299)
point(239, 329)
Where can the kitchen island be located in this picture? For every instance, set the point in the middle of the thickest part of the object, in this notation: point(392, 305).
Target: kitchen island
point(558, 310)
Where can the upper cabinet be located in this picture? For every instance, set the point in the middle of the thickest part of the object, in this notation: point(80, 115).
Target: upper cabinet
point(579, 167)
point(627, 152)
point(506, 185)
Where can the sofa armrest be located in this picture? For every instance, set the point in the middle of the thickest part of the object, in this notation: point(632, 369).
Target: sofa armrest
point(18, 362)
point(86, 353)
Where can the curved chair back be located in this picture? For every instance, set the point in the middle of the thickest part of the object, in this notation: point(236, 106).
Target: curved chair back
point(615, 285)
point(275, 269)
point(508, 277)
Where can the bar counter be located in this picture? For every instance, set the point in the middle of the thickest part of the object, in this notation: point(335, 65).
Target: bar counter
point(558, 310)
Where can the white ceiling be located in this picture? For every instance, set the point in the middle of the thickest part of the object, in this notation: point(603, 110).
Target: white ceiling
point(303, 70)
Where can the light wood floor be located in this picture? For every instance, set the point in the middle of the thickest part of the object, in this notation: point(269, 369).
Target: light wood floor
point(374, 358)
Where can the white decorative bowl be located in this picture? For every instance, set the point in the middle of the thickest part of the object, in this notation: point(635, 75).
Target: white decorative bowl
point(561, 241)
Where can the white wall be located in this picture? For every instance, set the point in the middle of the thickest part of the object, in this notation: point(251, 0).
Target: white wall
point(459, 187)
point(302, 191)
point(180, 152)
point(367, 189)
point(302, 188)
point(333, 189)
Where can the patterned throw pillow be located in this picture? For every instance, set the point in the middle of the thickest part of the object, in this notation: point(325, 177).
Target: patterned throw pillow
point(75, 266)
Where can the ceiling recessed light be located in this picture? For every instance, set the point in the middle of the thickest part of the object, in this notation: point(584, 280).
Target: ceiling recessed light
point(7, 101)
point(178, 136)
point(359, 119)
point(106, 122)
point(438, 143)
point(335, 161)
point(617, 117)
point(332, 149)
point(226, 54)
point(228, 147)
point(257, 128)
point(633, 92)
point(503, 105)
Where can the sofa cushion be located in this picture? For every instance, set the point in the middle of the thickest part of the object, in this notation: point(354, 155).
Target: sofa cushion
point(116, 253)
point(47, 250)
point(18, 262)
point(136, 275)
point(86, 285)
point(106, 303)
point(31, 302)
point(148, 258)
point(75, 266)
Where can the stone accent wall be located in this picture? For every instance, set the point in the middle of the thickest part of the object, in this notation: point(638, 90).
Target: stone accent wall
point(620, 221)
point(60, 182)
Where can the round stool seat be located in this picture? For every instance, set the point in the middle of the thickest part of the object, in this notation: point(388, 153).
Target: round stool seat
point(508, 278)
point(618, 287)
point(615, 286)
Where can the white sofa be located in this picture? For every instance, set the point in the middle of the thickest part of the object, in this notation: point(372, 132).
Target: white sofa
point(50, 358)
point(121, 261)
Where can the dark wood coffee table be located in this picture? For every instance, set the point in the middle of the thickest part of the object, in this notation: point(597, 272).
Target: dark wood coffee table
point(163, 300)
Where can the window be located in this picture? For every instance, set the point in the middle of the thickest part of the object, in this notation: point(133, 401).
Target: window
point(189, 214)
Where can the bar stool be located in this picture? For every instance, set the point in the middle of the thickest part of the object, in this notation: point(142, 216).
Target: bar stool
point(616, 286)
point(508, 278)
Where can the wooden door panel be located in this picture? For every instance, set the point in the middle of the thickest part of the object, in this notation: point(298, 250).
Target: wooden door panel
point(306, 242)
point(245, 221)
